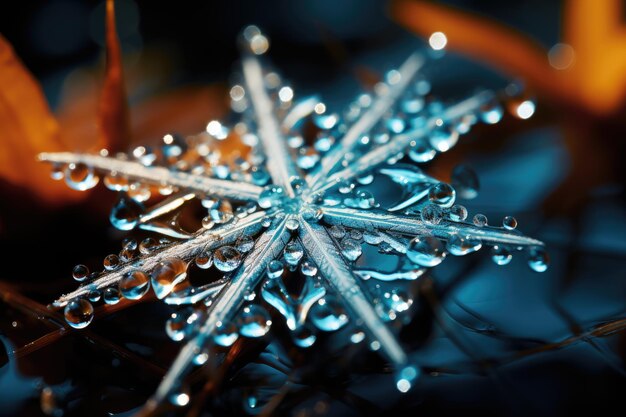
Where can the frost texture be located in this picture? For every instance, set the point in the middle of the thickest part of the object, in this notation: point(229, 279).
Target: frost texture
point(291, 203)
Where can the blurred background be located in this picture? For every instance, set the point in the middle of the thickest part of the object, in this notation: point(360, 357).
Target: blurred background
point(496, 340)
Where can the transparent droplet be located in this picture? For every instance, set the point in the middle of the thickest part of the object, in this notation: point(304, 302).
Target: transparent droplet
point(111, 262)
point(458, 213)
point(432, 214)
point(328, 314)
point(271, 196)
point(275, 269)
point(292, 224)
point(307, 158)
point(426, 251)
point(337, 231)
point(125, 214)
point(444, 137)
point(148, 245)
point(372, 237)
point(78, 313)
point(460, 246)
point(167, 275)
point(176, 326)
point(116, 183)
point(442, 194)
point(293, 253)
point(480, 220)
point(80, 273)
point(94, 296)
point(244, 244)
point(80, 177)
point(351, 249)
point(221, 212)
point(422, 152)
point(225, 334)
point(134, 285)
point(308, 268)
point(227, 258)
point(538, 259)
point(509, 222)
point(204, 260)
point(500, 255)
point(254, 321)
point(112, 295)
point(465, 182)
point(303, 337)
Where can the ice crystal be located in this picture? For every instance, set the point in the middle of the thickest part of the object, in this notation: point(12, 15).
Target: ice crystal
point(291, 204)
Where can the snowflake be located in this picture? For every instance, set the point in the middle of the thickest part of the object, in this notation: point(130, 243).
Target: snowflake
point(290, 204)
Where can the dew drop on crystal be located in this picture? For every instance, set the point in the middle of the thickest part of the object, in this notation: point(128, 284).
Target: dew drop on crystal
point(509, 222)
point(337, 231)
point(465, 182)
point(78, 313)
point(111, 262)
point(480, 220)
point(458, 213)
point(80, 177)
point(227, 258)
point(460, 246)
point(244, 244)
point(442, 194)
point(80, 273)
point(94, 296)
point(293, 253)
point(225, 334)
point(221, 211)
point(426, 251)
point(254, 321)
point(432, 214)
point(167, 275)
point(538, 259)
point(500, 255)
point(134, 285)
point(442, 138)
point(421, 153)
point(308, 268)
point(204, 260)
point(112, 295)
point(275, 269)
point(125, 214)
point(350, 249)
point(292, 224)
point(148, 245)
point(328, 314)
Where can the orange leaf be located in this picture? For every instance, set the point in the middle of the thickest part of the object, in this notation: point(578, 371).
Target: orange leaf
point(113, 118)
point(27, 128)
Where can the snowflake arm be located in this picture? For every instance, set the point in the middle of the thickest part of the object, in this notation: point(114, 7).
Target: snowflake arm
point(159, 176)
point(185, 250)
point(382, 104)
point(375, 219)
point(320, 247)
point(268, 246)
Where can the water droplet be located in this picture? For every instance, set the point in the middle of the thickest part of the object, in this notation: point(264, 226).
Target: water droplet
point(357, 337)
point(337, 231)
point(275, 269)
point(538, 259)
point(167, 275)
point(225, 334)
point(328, 314)
point(111, 262)
point(244, 244)
point(480, 220)
point(491, 112)
point(254, 321)
point(227, 258)
point(509, 222)
point(303, 337)
point(112, 295)
point(307, 158)
point(57, 172)
point(116, 183)
point(204, 260)
point(444, 137)
point(406, 377)
point(372, 237)
point(465, 182)
point(134, 285)
point(293, 253)
point(459, 246)
point(398, 300)
point(176, 326)
point(125, 214)
point(271, 196)
point(500, 255)
point(221, 211)
point(80, 273)
point(80, 177)
point(350, 249)
point(130, 244)
point(308, 268)
point(432, 214)
point(426, 251)
point(94, 296)
point(147, 245)
point(442, 194)
point(78, 313)
point(292, 224)
point(421, 153)
point(458, 213)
